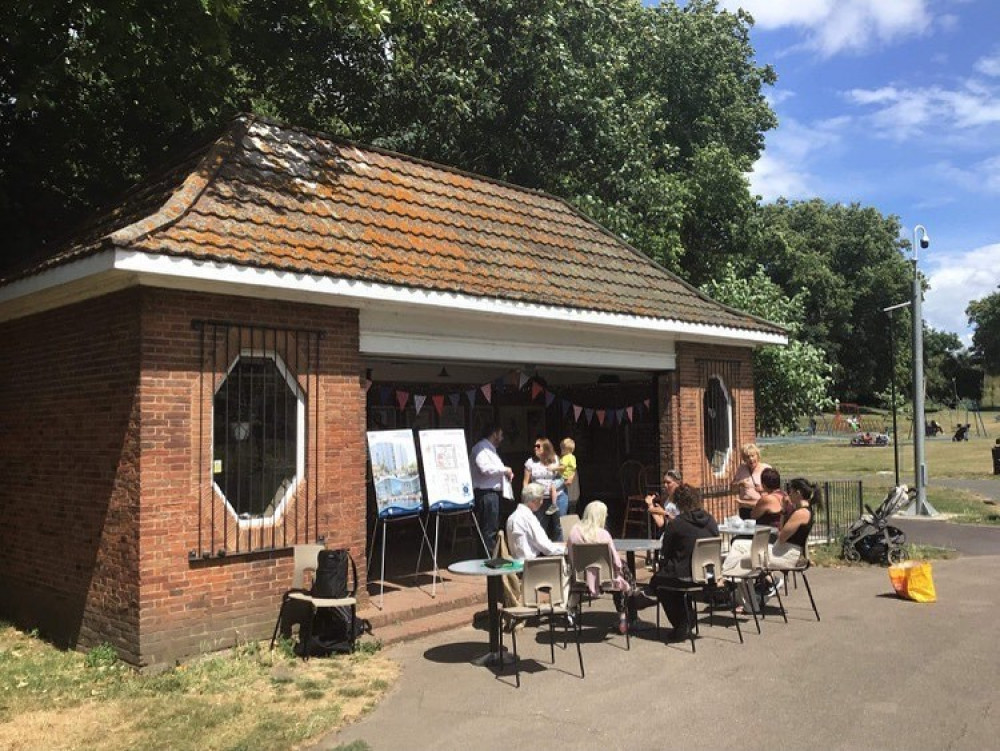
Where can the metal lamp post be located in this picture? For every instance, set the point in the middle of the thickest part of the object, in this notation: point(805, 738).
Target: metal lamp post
point(892, 385)
point(922, 508)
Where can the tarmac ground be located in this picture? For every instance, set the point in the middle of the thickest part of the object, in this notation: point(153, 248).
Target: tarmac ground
point(875, 672)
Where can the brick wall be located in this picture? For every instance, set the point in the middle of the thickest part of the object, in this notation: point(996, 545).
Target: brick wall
point(69, 484)
point(681, 403)
point(190, 606)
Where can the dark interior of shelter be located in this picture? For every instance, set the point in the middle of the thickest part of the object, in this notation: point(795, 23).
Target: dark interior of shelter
point(610, 415)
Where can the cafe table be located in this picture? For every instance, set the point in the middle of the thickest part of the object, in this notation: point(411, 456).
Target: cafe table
point(494, 596)
point(631, 545)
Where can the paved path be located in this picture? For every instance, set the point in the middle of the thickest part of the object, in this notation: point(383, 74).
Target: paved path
point(967, 539)
point(877, 672)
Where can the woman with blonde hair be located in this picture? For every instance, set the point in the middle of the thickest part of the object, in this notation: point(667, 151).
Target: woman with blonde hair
point(591, 529)
point(746, 481)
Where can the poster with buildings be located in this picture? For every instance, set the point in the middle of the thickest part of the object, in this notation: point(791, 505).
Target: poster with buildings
point(446, 469)
point(395, 473)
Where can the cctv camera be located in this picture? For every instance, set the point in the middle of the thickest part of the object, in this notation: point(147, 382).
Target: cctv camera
point(925, 242)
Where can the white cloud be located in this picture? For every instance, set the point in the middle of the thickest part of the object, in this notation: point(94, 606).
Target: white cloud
point(901, 113)
point(980, 177)
point(783, 169)
point(834, 26)
point(956, 280)
point(988, 66)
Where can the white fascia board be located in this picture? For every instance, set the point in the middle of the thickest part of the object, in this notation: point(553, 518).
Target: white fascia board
point(62, 285)
point(184, 273)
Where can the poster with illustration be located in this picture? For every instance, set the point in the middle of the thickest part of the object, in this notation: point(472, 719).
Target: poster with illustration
point(395, 472)
point(446, 469)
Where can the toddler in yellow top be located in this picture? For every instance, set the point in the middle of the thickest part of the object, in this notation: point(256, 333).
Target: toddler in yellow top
point(567, 472)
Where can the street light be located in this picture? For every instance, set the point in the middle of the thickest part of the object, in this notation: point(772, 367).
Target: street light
point(892, 384)
point(922, 507)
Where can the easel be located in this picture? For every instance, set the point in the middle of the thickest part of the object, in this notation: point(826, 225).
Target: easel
point(449, 509)
point(395, 515)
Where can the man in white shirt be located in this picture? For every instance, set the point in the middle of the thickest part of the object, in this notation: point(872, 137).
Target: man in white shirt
point(488, 475)
point(525, 537)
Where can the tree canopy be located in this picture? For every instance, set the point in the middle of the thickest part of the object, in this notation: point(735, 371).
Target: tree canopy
point(984, 314)
point(788, 381)
point(645, 118)
point(846, 261)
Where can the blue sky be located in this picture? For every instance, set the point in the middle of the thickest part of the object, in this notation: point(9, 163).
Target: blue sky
point(893, 104)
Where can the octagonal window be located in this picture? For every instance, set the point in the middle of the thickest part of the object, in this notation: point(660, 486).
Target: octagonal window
point(258, 435)
point(718, 422)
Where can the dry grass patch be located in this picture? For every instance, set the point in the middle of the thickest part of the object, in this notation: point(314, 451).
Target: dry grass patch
point(247, 698)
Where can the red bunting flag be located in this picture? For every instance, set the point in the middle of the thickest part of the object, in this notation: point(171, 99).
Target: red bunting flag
point(628, 411)
point(402, 397)
point(536, 389)
point(577, 411)
point(600, 416)
point(487, 389)
point(438, 400)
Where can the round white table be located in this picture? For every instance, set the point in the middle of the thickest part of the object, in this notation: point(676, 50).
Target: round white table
point(494, 595)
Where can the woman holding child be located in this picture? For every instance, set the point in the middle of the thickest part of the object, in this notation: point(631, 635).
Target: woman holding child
point(544, 468)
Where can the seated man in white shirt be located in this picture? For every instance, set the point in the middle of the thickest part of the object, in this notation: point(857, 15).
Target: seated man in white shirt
point(525, 537)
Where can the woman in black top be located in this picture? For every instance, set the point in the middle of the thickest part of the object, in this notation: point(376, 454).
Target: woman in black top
point(791, 544)
point(691, 523)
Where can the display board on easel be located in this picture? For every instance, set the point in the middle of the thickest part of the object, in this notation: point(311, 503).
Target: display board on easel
point(446, 469)
point(395, 472)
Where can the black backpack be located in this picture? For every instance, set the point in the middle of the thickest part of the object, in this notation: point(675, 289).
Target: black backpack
point(330, 631)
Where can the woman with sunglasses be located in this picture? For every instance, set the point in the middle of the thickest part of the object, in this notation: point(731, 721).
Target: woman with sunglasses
point(543, 467)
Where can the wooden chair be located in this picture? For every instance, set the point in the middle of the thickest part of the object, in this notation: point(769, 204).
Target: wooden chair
point(632, 477)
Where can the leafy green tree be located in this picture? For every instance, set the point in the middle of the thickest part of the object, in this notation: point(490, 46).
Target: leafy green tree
point(95, 96)
point(848, 261)
point(647, 119)
point(984, 314)
point(788, 381)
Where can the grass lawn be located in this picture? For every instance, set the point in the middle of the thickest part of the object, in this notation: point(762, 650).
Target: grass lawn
point(827, 458)
point(247, 698)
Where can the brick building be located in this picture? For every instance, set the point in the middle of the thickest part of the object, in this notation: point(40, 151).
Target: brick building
point(187, 382)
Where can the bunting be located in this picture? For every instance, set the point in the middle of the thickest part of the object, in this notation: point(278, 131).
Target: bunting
point(606, 417)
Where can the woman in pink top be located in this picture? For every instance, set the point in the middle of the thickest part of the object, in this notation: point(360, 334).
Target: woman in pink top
point(746, 481)
point(591, 529)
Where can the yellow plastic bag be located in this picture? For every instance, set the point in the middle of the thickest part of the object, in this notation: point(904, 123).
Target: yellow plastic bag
point(913, 580)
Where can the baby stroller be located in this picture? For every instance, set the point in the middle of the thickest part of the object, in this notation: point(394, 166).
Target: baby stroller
point(872, 538)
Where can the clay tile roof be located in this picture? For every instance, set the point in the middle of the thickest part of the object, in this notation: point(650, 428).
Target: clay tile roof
point(278, 197)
